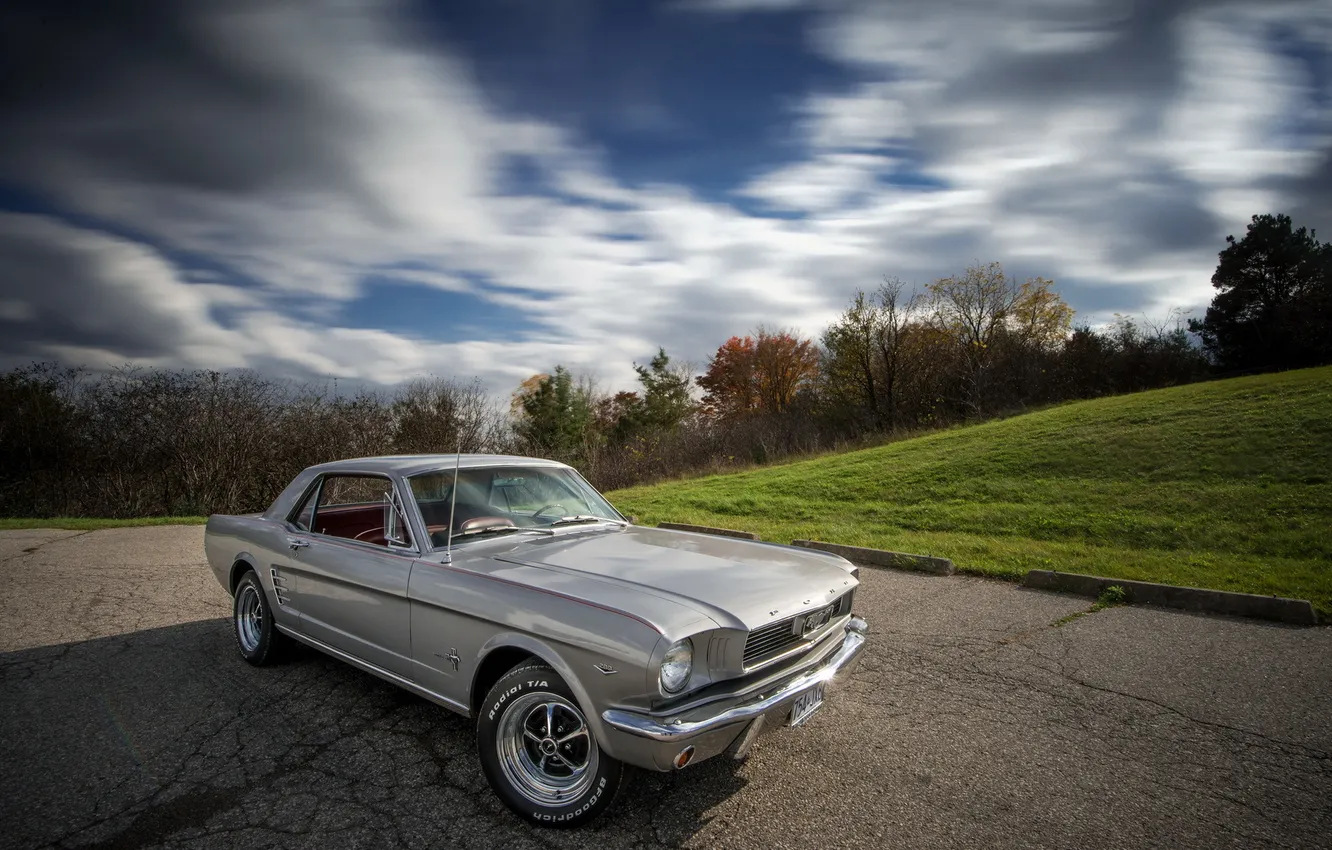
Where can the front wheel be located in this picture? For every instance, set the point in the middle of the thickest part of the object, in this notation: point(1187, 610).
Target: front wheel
point(538, 752)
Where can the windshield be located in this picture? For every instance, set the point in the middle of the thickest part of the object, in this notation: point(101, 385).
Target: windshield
point(506, 500)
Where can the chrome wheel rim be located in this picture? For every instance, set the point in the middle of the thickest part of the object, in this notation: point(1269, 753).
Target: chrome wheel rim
point(249, 618)
point(546, 750)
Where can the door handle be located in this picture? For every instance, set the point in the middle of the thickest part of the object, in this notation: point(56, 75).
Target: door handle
point(296, 543)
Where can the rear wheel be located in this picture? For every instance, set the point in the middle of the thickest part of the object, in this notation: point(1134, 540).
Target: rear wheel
point(257, 637)
point(539, 753)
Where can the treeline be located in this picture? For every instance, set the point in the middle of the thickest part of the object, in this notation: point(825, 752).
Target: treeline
point(963, 348)
point(897, 360)
point(138, 442)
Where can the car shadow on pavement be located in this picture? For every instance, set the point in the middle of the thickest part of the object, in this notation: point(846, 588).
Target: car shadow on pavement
point(165, 733)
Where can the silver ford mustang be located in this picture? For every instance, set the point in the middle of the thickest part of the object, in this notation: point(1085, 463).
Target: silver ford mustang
point(509, 590)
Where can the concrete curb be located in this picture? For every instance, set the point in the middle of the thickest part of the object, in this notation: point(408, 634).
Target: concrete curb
point(883, 558)
point(704, 529)
point(1295, 611)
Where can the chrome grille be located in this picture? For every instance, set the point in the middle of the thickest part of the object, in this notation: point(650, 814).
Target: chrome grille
point(769, 640)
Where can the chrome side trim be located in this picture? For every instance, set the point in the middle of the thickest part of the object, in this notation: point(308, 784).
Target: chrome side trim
point(297, 569)
point(392, 678)
point(838, 665)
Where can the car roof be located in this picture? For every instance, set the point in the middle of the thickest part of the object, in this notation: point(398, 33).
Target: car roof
point(406, 465)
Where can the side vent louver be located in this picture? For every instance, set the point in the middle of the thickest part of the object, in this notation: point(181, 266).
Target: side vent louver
point(279, 587)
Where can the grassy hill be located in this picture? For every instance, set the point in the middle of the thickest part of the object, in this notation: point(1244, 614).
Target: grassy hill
point(1224, 485)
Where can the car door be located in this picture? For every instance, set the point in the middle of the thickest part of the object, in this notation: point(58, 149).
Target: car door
point(455, 605)
point(450, 623)
point(351, 570)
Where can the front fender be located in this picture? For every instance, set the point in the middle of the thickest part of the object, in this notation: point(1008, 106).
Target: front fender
point(553, 656)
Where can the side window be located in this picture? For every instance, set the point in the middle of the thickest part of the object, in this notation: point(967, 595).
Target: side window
point(343, 490)
point(360, 507)
point(304, 518)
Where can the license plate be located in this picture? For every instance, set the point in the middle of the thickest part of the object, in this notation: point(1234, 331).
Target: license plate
point(805, 705)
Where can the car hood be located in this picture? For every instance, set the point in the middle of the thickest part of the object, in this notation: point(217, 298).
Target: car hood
point(737, 583)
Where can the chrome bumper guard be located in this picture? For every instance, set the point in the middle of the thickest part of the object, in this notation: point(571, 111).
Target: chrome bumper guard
point(834, 668)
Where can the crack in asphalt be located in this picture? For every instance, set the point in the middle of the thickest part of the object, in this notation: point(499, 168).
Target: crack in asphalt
point(32, 550)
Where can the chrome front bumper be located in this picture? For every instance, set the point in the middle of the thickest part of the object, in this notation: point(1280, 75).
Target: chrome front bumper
point(833, 669)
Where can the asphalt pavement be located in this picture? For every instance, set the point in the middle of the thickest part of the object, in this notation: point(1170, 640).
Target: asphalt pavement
point(128, 720)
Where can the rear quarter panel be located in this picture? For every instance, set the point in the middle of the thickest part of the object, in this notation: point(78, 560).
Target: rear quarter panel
point(254, 541)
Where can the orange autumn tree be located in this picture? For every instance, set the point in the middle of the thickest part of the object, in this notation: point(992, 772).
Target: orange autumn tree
point(729, 385)
point(765, 371)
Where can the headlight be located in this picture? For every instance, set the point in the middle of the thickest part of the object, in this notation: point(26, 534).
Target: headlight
point(676, 666)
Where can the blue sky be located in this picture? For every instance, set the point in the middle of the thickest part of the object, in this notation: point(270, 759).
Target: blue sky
point(377, 190)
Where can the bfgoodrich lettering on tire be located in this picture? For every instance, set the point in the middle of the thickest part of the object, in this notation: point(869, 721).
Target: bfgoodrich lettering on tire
point(539, 753)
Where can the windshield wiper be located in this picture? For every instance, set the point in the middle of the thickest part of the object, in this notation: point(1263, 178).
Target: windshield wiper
point(584, 518)
point(503, 529)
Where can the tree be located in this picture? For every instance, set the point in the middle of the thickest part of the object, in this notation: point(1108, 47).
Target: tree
point(984, 311)
point(528, 387)
point(1273, 307)
point(555, 414)
point(610, 411)
point(849, 375)
point(784, 364)
point(730, 384)
point(664, 403)
point(865, 351)
point(436, 415)
point(1040, 320)
point(666, 399)
point(765, 372)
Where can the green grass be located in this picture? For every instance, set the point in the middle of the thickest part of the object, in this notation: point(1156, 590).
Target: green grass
point(75, 523)
point(1223, 485)
point(1111, 597)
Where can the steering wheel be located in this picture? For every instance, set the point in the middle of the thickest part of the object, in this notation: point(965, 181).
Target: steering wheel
point(542, 510)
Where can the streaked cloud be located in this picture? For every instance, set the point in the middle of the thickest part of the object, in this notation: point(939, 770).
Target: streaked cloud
point(235, 177)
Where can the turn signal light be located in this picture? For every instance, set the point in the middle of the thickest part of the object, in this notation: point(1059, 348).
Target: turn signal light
point(683, 758)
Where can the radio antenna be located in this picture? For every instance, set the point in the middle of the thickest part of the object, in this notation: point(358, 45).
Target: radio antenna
point(453, 502)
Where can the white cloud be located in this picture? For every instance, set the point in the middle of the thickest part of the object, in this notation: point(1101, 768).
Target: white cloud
point(872, 115)
point(1062, 134)
point(824, 183)
point(81, 288)
point(1226, 127)
point(1050, 154)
